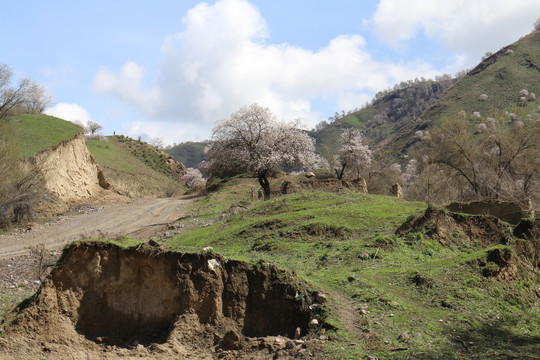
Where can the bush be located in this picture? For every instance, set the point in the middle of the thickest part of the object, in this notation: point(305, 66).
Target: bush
point(20, 183)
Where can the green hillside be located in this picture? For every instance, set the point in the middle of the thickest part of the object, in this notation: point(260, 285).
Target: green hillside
point(387, 114)
point(36, 133)
point(501, 77)
point(134, 167)
point(416, 295)
point(189, 153)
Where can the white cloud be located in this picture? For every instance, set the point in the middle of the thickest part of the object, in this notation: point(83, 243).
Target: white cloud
point(69, 111)
point(470, 27)
point(222, 60)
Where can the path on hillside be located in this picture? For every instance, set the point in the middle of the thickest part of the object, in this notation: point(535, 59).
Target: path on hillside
point(139, 219)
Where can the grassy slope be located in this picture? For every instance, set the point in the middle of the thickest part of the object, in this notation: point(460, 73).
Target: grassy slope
point(130, 173)
point(343, 243)
point(36, 133)
point(190, 153)
point(501, 76)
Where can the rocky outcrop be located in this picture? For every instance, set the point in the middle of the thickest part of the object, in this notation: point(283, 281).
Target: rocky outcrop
point(70, 172)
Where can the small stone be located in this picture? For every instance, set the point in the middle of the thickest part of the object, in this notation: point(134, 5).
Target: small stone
point(152, 242)
point(314, 322)
point(323, 331)
point(393, 303)
point(213, 264)
point(320, 298)
point(323, 338)
point(231, 340)
point(207, 249)
point(363, 311)
point(404, 337)
point(297, 333)
point(370, 357)
point(299, 342)
point(351, 278)
point(416, 335)
point(289, 344)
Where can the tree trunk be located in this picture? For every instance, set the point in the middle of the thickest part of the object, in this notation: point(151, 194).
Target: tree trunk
point(339, 174)
point(265, 184)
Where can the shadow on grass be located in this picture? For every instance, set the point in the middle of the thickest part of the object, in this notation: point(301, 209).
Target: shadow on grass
point(498, 339)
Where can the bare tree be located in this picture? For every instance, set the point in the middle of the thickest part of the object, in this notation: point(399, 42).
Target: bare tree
point(253, 141)
point(496, 160)
point(353, 155)
point(25, 97)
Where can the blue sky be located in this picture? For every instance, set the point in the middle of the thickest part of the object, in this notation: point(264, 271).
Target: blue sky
point(170, 69)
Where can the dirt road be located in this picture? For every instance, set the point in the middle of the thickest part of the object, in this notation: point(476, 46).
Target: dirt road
point(139, 219)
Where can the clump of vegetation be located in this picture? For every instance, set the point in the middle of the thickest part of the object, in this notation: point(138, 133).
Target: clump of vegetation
point(20, 183)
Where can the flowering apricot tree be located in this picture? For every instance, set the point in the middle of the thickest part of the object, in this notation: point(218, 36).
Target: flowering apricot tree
point(253, 141)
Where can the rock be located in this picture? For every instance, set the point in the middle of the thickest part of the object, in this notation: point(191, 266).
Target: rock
point(371, 357)
point(320, 298)
point(364, 256)
point(231, 340)
point(351, 278)
point(310, 174)
point(289, 344)
point(297, 333)
point(213, 264)
point(405, 337)
point(207, 249)
point(396, 191)
point(152, 242)
point(314, 322)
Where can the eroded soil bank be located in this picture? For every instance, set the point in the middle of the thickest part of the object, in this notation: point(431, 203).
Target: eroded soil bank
point(104, 301)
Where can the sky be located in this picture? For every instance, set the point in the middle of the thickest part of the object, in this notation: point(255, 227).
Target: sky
point(169, 69)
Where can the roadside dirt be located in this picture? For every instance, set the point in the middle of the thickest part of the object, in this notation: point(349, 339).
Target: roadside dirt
point(138, 219)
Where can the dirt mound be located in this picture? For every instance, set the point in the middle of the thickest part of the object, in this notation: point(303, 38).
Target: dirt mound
point(453, 228)
point(109, 301)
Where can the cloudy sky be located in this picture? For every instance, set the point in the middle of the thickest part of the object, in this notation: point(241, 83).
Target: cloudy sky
point(169, 69)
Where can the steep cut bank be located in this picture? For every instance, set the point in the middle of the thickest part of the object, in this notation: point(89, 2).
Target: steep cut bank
point(70, 172)
point(106, 300)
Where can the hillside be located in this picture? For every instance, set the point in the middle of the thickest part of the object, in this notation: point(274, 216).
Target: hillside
point(189, 153)
point(383, 277)
point(501, 77)
point(36, 133)
point(136, 168)
point(389, 112)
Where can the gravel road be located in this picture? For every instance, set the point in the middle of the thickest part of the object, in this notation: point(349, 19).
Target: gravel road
point(139, 219)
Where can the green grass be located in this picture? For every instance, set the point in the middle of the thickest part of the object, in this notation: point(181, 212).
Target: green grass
point(344, 244)
point(36, 133)
point(134, 167)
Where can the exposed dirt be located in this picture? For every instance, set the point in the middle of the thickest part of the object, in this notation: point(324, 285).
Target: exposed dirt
point(70, 172)
point(138, 219)
point(103, 301)
point(452, 228)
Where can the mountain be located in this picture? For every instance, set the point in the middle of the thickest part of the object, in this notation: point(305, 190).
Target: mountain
point(505, 81)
